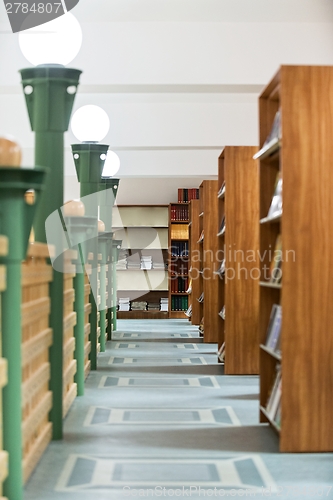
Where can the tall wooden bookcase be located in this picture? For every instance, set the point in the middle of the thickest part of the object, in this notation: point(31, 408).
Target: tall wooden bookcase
point(304, 156)
point(239, 243)
point(209, 264)
point(178, 259)
point(194, 261)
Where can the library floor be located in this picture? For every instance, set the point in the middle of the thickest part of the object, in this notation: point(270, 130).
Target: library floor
point(159, 419)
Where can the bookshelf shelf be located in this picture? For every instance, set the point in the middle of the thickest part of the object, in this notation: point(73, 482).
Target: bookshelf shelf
point(272, 353)
point(271, 220)
point(268, 418)
point(239, 238)
point(306, 341)
point(267, 284)
point(178, 268)
point(208, 221)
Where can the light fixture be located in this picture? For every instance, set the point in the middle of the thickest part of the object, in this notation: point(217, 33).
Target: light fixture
point(55, 42)
point(111, 165)
point(49, 90)
point(90, 123)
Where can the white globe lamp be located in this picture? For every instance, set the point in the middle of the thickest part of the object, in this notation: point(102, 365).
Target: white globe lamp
point(90, 123)
point(111, 165)
point(55, 42)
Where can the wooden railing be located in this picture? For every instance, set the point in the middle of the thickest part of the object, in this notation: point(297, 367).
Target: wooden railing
point(36, 340)
point(3, 372)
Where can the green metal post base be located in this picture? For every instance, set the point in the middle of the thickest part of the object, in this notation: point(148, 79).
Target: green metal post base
point(50, 92)
point(16, 221)
point(116, 245)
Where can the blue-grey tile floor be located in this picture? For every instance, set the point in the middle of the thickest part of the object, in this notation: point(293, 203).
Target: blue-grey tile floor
point(159, 419)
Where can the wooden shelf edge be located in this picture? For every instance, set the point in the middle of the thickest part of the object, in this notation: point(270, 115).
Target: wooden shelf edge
point(272, 353)
point(268, 284)
point(272, 147)
point(272, 423)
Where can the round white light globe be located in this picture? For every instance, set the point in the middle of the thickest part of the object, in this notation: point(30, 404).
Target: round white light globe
point(55, 42)
point(111, 165)
point(90, 123)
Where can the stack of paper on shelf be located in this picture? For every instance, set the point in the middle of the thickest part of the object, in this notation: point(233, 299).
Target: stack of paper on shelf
point(164, 304)
point(146, 262)
point(124, 304)
point(153, 306)
point(159, 265)
point(138, 306)
point(133, 262)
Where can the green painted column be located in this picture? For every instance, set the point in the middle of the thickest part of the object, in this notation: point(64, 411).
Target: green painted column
point(108, 193)
point(116, 246)
point(105, 245)
point(49, 92)
point(89, 161)
point(16, 218)
point(79, 231)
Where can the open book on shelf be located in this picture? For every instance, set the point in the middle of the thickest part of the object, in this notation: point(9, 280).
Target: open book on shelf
point(275, 270)
point(201, 298)
point(274, 398)
point(221, 353)
point(221, 192)
point(274, 329)
point(201, 238)
point(272, 142)
point(188, 313)
point(276, 205)
point(222, 313)
point(221, 269)
point(222, 227)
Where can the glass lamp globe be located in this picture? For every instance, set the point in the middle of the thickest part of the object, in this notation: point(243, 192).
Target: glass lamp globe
point(111, 165)
point(90, 123)
point(55, 42)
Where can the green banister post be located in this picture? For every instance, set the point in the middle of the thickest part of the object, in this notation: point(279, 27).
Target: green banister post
point(104, 240)
point(116, 246)
point(108, 193)
point(16, 218)
point(50, 92)
point(80, 230)
point(89, 161)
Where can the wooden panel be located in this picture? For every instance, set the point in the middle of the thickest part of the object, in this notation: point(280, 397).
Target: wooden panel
point(3, 369)
point(195, 261)
point(307, 230)
point(210, 263)
point(242, 261)
point(304, 94)
point(69, 363)
point(36, 340)
point(221, 249)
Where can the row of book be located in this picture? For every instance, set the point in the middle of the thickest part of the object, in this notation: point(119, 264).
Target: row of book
point(179, 285)
point(179, 213)
point(179, 303)
point(275, 270)
point(185, 195)
point(273, 333)
point(125, 304)
point(273, 405)
point(179, 249)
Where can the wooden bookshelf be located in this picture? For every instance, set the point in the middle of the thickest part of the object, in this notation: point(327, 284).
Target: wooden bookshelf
point(194, 262)
point(178, 259)
point(304, 158)
point(3, 367)
point(209, 264)
point(221, 248)
point(143, 230)
point(240, 205)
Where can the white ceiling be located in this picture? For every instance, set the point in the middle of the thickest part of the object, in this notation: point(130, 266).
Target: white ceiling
point(179, 78)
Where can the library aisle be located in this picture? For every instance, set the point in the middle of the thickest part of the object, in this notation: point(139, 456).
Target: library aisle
point(159, 419)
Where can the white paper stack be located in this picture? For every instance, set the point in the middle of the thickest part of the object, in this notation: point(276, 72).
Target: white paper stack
point(124, 304)
point(164, 304)
point(146, 262)
point(159, 265)
point(133, 262)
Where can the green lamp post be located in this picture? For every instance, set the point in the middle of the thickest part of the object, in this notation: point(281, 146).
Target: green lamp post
point(16, 217)
point(49, 92)
point(89, 161)
point(108, 194)
point(79, 231)
point(105, 247)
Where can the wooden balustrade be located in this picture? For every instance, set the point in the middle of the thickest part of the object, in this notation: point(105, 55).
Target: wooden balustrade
point(36, 340)
point(3, 372)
